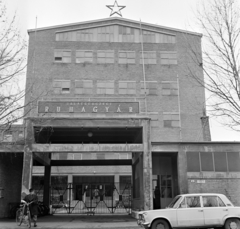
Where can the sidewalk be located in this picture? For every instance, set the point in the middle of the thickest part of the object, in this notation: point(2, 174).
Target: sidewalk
point(77, 221)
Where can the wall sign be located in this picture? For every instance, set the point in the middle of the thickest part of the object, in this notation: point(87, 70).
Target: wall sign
point(88, 107)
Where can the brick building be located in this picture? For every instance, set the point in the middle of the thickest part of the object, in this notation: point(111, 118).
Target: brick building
point(113, 101)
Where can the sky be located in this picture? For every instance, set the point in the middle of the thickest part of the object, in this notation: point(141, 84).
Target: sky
point(178, 14)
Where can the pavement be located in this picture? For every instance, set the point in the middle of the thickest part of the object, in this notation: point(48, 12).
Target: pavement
point(74, 221)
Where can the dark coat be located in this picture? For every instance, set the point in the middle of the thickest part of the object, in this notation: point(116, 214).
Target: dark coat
point(33, 206)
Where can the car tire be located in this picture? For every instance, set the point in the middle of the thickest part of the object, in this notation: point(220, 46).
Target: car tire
point(232, 224)
point(160, 224)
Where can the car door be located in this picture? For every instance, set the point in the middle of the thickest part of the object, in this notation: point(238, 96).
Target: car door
point(214, 210)
point(190, 212)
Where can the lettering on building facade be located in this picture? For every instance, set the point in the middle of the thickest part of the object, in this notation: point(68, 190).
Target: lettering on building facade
point(88, 107)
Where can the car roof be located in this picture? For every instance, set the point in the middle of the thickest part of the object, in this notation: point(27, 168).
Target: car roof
point(202, 194)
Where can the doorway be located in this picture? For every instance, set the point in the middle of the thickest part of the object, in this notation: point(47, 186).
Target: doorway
point(164, 179)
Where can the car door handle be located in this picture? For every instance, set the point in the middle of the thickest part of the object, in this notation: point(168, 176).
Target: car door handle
point(200, 210)
point(225, 210)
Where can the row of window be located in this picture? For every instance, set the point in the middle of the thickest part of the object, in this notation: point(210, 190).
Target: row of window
point(107, 87)
point(207, 201)
point(90, 156)
point(108, 57)
point(116, 33)
point(213, 161)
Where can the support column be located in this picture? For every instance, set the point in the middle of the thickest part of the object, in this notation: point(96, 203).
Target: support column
point(182, 170)
point(70, 187)
point(27, 171)
point(47, 183)
point(147, 166)
point(27, 159)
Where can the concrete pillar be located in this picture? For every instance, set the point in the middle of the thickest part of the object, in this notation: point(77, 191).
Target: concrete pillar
point(70, 186)
point(147, 166)
point(182, 170)
point(47, 183)
point(27, 159)
point(27, 171)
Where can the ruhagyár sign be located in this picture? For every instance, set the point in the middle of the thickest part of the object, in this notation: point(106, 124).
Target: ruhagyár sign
point(87, 107)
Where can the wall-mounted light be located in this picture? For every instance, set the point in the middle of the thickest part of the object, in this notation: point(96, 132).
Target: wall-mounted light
point(1, 192)
point(90, 134)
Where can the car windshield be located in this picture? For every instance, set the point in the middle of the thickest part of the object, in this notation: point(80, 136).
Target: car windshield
point(174, 202)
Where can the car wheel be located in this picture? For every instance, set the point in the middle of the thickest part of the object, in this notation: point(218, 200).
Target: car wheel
point(232, 224)
point(160, 224)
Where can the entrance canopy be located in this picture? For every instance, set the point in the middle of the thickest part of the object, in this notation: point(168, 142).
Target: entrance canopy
point(87, 135)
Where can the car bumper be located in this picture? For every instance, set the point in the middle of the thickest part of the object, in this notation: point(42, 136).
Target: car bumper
point(143, 224)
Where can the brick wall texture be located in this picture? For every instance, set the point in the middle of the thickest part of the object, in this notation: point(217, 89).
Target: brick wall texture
point(227, 186)
point(42, 70)
point(11, 165)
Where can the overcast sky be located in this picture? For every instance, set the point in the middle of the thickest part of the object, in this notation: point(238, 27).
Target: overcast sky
point(170, 13)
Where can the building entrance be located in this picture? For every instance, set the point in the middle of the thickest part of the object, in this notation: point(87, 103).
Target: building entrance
point(90, 197)
point(164, 179)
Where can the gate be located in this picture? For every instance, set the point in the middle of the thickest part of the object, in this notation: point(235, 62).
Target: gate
point(91, 198)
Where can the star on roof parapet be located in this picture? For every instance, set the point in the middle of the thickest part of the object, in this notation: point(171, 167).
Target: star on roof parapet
point(115, 9)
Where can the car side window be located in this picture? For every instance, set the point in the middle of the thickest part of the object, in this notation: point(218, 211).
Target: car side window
point(183, 204)
point(193, 201)
point(221, 203)
point(212, 201)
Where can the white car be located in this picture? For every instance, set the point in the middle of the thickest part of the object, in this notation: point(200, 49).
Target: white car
point(204, 210)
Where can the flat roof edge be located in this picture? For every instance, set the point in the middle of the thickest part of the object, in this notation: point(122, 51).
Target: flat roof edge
point(190, 142)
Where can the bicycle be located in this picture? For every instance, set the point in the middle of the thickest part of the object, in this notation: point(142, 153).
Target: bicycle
point(23, 214)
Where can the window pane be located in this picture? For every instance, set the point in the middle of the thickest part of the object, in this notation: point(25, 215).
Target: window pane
point(193, 201)
point(220, 161)
point(233, 162)
point(206, 161)
point(210, 201)
point(193, 163)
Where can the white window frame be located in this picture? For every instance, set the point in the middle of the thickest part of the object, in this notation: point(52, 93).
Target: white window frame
point(84, 56)
point(126, 57)
point(62, 55)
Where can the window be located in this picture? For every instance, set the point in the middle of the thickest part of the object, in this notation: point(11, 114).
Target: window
point(168, 57)
point(61, 86)
point(105, 56)
point(7, 137)
point(127, 88)
point(126, 33)
point(212, 201)
point(62, 56)
point(105, 87)
point(105, 33)
point(206, 161)
point(166, 186)
point(77, 156)
point(233, 161)
point(84, 56)
point(148, 37)
point(149, 57)
point(63, 156)
point(126, 57)
point(100, 156)
point(171, 120)
point(193, 202)
point(193, 162)
point(115, 33)
point(84, 87)
point(220, 160)
point(169, 88)
point(151, 87)
point(83, 35)
point(86, 156)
